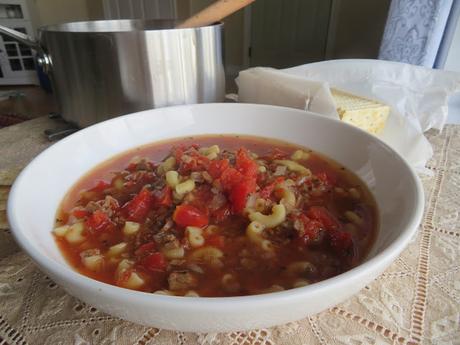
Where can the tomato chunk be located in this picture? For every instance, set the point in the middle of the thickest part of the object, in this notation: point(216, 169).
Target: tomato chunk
point(268, 189)
point(216, 241)
point(311, 230)
point(327, 178)
point(322, 215)
point(100, 186)
point(217, 167)
point(154, 262)
point(239, 182)
point(178, 151)
point(245, 165)
point(163, 197)
point(187, 215)
point(98, 222)
point(194, 162)
point(138, 208)
point(145, 249)
point(79, 213)
point(230, 177)
point(341, 241)
point(239, 194)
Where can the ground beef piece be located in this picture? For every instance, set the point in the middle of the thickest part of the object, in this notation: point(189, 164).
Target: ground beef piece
point(173, 244)
point(157, 219)
point(282, 234)
point(229, 155)
point(181, 280)
point(109, 205)
point(144, 164)
point(165, 235)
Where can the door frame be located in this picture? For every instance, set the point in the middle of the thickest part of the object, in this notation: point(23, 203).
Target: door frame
point(246, 36)
point(330, 38)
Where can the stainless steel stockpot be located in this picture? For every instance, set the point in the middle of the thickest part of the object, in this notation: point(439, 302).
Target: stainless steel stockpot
point(103, 69)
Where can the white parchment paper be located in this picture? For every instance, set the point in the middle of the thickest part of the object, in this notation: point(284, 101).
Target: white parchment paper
point(417, 96)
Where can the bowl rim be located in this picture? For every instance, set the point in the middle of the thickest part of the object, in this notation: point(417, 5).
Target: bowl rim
point(67, 273)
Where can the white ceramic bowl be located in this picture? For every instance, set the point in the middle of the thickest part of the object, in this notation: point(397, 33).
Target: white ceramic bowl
point(39, 189)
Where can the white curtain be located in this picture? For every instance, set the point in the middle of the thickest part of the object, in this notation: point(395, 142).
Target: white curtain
point(419, 32)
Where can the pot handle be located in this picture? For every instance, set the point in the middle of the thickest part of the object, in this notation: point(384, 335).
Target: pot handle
point(20, 37)
point(43, 60)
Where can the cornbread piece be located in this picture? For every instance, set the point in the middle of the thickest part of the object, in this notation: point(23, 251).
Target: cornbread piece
point(364, 113)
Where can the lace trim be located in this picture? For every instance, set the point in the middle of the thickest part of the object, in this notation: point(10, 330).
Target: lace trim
point(147, 336)
point(400, 274)
point(446, 232)
point(383, 331)
point(9, 335)
point(86, 321)
point(259, 337)
point(316, 331)
point(421, 286)
point(450, 292)
point(28, 300)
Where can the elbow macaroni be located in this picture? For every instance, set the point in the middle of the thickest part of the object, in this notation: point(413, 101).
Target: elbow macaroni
point(230, 283)
point(299, 267)
point(134, 281)
point(164, 292)
point(123, 265)
point(191, 293)
point(300, 283)
point(287, 197)
point(354, 193)
point(75, 233)
point(293, 166)
point(61, 231)
point(277, 216)
point(254, 232)
point(131, 228)
point(354, 218)
point(194, 236)
point(167, 165)
point(185, 187)
point(117, 249)
point(300, 155)
point(209, 255)
point(266, 245)
point(211, 229)
point(172, 178)
point(93, 263)
point(210, 152)
point(174, 253)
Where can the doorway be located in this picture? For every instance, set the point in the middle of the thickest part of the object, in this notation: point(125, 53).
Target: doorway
point(285, 33)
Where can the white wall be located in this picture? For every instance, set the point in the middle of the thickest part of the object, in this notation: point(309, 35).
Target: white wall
point(60, 11)
point(453, 56)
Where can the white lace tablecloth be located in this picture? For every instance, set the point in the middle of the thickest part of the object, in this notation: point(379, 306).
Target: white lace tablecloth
point(416, 301)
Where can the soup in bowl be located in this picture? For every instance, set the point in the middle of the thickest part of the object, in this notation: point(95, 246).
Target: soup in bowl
point(215, 217)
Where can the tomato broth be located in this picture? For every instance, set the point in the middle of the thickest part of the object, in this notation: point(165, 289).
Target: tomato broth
point(216, 215)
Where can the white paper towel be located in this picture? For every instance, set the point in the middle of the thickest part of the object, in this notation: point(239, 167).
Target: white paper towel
point(417, 96)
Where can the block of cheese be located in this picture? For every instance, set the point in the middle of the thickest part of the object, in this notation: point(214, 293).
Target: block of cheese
point(361, 112)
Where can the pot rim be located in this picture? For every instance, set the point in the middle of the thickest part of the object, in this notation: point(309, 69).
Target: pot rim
point(120, 26)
